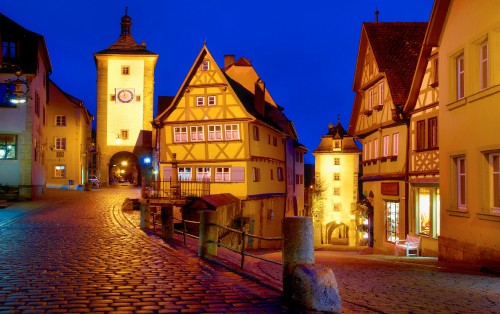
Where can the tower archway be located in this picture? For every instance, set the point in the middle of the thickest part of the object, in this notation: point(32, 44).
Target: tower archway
point(125, 167)
point(337, 233)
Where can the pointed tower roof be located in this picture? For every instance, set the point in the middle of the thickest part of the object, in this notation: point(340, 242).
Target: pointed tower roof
point(337, 132)
point(126, 43)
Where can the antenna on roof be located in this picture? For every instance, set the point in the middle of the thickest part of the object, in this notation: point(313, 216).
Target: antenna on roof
point(338, 121)
point(376, 14)
point(205, 42)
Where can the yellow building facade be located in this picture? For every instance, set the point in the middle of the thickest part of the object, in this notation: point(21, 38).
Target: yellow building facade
point(337, 163)
point(469, 145)
point(125, 87)
point(383, 76)
point(236, 138)
point(69, 132)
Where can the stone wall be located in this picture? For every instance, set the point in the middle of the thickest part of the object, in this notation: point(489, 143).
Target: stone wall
point(452, 250)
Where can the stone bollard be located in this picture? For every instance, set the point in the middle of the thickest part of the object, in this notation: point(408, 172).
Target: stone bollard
point(208, 234)
point(304, 283)
point(315, 287)
point(298, 248)
point(145, 215)
point(167, 222)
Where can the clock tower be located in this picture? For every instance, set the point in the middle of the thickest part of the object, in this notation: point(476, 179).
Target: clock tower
point(125, 95)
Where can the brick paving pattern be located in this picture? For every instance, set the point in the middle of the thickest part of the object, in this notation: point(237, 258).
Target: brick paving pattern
point(80, 255)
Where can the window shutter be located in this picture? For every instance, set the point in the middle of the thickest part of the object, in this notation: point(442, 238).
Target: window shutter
point(167, 173)
point(238, 174)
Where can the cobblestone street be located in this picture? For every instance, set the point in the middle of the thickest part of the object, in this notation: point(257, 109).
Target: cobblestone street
point(80, 255)
point(78, 251)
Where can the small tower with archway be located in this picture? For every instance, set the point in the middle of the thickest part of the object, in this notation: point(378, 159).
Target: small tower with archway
point(125, 98)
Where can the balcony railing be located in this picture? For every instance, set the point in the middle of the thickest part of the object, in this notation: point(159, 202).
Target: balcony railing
point(176, 191)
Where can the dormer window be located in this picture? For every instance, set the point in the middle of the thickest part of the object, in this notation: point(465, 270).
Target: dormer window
point(205, 66)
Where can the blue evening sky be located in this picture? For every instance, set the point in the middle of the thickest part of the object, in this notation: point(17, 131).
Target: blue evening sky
point(305, 51)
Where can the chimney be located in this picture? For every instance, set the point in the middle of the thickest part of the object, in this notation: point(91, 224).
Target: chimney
point(260, 97)
point(228, 60)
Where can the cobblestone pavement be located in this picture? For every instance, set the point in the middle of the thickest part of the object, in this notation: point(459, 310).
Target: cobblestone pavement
point(77, 253)
point(370, 283)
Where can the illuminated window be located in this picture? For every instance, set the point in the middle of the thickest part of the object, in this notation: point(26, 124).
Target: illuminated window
point(180, 134)
point(60, 171)
point(200, 101)
point(385, 147)
point(214, 132)
point(428, 207)
point(203, 174)
point(211, 100)
point(232, 131)
point(381, 94)
point(395, 144)
point(184, 173)
point(375, 148)
point(61, 120)
point(197, 133)
point(205, 66)
point(8, 146)
point(391, 221)
point(60, 143)
point(222, 174)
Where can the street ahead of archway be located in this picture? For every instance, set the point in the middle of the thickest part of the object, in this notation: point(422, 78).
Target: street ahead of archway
point(76, 251)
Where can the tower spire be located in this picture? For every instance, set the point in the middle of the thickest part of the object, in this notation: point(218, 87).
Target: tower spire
point(376, 14)
point(126, 23)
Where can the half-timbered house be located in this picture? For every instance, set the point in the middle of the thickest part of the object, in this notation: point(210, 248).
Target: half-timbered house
point(387, 57)
point(223, 126)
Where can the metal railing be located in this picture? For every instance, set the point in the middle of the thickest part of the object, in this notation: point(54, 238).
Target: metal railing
point(184, 230)
point(242, 252)
point(178, 190)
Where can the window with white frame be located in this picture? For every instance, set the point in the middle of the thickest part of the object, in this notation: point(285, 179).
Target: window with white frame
point(215, 132)
point(391, 221)
point(256, 174)
point(60, 171)
point(434, 71)
point(197, 133)
point(205, 66)
point(385, 145)
point(494, 164)
point(461, 182)
point(381, 93)
point(8, 146)
point(203, 174)
point(460, 76)
point(433, 132)
point(200, 101)
point(395, 144)
point(222, 174)
point(371, 95)
point(180, 134)
point(212, 100)
point(185, 173)
point(375, 148)
point(60, 143)
point(60, 120)
point(232, 131)
point(483, 65)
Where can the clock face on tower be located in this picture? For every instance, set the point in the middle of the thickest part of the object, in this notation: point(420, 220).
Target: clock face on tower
point(125, 95)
